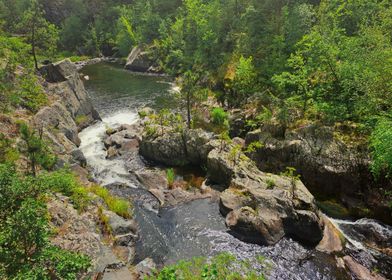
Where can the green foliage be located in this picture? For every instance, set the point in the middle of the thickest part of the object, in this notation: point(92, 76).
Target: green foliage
point(8, 153)
point(221, 267)
point(40, 33)
point(171, 176)
point(235, 154)
point(18, 88)
point(291, 172)
point(381, 145)
point(244, 83)
point(63, 181)
point(30, 94)
point(253, 147)
point(25, 251)
point(35, 149)
point(117, 205)
point(219, 116)
point(270, 184)
point(81, 119)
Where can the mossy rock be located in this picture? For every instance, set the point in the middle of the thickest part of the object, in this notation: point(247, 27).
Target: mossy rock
point(333, 209)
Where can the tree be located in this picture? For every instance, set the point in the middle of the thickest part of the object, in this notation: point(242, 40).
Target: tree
point(189, 91)
point(35, 149)
point(25, 251)
point(39, 32)
point(381, 145)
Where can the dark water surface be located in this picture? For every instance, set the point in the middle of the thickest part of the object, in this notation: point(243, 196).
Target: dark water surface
point(188, 230)
point(113, 89)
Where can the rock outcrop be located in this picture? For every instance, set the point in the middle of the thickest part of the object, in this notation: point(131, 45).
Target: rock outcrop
point(260, 207)
point(139, 61)
point(60, 121)
point(80, 232)
point(327, 165)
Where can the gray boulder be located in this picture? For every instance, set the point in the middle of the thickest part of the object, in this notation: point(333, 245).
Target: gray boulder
point(138, 61)
point(260, 207)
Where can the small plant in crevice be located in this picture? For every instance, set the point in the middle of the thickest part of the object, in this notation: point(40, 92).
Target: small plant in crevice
point(270, 184)
point(253, 147)
point(104, 222)
point(170, 176)
point(291, 173)
point(225, 139)
point(115, 204)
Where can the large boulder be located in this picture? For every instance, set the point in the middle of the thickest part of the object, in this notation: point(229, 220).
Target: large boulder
point(59, 71)
point(70, 103)
point(138, 61)
point(328, 165)
point(175, 148)
point(260, 207)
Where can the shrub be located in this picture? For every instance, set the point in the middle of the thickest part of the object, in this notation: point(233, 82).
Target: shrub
point(117, 205)
point(81, 119)
point(7, 152)
point(270, 184)
point(381, 147)
point(63, 181)
point(170, 175)
point(35, 149)
point(221, 267)
point(25, 250)
point(219, 116)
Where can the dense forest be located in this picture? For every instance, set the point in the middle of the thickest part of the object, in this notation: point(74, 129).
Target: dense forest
point(323, 61)
point(293, 62)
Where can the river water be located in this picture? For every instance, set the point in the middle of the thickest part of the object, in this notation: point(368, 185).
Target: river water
point(192, 229)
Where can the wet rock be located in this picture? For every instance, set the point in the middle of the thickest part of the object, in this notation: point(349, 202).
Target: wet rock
point(281, 206)
point(111, 153)
point(251, 226)
point(370, 232)
point(176, 149)
point(152, 178)
point(78, 157)
point(360, 272)
point(129, 146)
point(79, 233)
point(327, 165)
point(145, 268)
point(332, 239)
point(119, 225)
point(138, 61)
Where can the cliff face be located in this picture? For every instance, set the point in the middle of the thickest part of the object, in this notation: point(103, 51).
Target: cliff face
point(69, 112)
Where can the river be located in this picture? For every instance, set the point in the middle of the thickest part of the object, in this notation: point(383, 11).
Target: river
point(188, 230)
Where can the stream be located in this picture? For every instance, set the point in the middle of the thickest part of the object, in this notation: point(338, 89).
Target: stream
point(196, 228)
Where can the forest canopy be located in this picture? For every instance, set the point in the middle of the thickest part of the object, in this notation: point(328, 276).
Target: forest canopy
point(328, 61)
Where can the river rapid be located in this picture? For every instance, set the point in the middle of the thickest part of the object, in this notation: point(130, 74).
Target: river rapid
point(196, 228)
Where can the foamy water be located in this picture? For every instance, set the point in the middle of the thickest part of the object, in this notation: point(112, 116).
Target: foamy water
point(105, 171)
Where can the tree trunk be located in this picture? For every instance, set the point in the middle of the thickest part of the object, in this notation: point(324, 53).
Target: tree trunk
point(188, 107)
point(33, 45)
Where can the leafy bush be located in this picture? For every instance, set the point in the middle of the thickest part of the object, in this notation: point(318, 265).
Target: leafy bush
point(7, 152)
point(381, 146)
point(170, 175)
point(219, 116)
point(25, 250)
point(63, 181)
point(35, 149)
point(221, 267)
point(119, 206)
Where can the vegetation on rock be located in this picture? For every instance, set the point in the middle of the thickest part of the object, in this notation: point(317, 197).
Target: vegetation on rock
point(223, 266)
point(25, 250)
